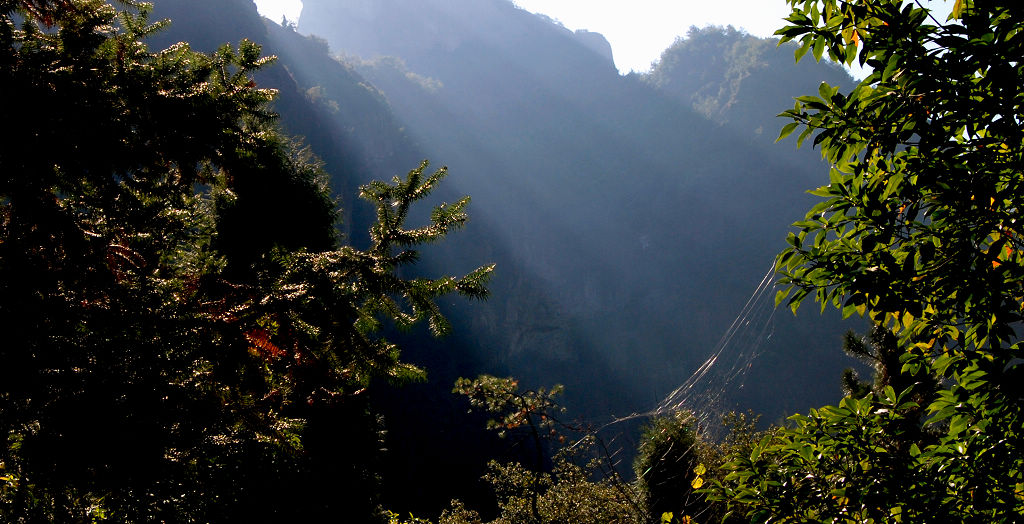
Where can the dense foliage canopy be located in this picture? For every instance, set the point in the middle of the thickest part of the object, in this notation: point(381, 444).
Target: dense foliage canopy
point(917, 229)
point(183, 328)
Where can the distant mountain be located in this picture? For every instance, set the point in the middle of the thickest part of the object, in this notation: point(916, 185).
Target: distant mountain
point(739, 80)
point(631, 217)
point(428, 34)
point(645, 219)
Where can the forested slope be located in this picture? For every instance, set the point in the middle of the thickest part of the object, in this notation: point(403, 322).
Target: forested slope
point(647, 222)
point(628, 227)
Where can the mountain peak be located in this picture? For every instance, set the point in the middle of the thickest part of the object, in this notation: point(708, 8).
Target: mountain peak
point(427, 34)
point(596, 42)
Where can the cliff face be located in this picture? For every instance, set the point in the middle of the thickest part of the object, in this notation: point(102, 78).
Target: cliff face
point(597, 43)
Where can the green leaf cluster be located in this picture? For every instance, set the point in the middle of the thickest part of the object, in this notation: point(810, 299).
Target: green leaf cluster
point(917, 230)
point(845, 463)
point(917, 226)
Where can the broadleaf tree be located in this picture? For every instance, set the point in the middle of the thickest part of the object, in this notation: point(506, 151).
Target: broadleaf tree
point(916, 229)
point(185, 336)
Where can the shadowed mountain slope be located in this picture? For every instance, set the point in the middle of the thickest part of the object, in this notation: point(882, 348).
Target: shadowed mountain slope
point(647, 222)
point(629, 226)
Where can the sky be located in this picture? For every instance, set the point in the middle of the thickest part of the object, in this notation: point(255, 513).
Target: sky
point(638, 30)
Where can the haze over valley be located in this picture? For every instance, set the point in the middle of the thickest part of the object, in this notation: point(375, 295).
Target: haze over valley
point(631, 217)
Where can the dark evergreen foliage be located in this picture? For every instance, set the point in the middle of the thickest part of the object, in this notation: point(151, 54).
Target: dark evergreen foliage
point(186, 338)
point(668, 455)
point(881, 351)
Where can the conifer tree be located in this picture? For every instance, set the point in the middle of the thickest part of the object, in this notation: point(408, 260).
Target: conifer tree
point(880, 351)
point(186, 337)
